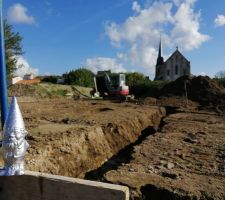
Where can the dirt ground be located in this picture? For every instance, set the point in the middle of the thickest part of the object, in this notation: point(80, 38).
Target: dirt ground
point(71, 137)
point(171, 152)
point(185, 159)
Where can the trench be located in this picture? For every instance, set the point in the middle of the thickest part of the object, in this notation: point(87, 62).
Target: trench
point(122, 157)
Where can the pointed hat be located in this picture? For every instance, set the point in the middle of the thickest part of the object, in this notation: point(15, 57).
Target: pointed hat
point(14, 120)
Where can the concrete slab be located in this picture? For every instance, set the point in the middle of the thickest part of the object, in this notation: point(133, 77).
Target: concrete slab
point(40, 186)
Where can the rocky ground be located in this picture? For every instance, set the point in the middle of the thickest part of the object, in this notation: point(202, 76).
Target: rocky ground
point(71, 137)
point(185, 159)
point(169, 148)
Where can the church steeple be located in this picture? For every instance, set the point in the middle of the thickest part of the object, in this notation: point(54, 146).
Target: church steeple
point(160, 48)
point(160, 59)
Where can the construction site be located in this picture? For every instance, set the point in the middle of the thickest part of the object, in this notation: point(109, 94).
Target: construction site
point(169, 147)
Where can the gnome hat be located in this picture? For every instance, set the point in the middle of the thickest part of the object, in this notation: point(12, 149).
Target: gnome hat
point(14, 122)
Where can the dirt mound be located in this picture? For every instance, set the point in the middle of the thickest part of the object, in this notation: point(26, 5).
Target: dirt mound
point(201, 89)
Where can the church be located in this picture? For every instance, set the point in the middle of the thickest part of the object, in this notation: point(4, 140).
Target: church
point(174, 67)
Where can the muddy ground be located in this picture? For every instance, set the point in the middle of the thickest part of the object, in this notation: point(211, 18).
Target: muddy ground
point(166, 151)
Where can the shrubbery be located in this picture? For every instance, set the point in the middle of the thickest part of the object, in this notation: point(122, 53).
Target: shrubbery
point(220, 78)
point(142, 86)
point(50, 79)
point(220, 81)
point(82, 77)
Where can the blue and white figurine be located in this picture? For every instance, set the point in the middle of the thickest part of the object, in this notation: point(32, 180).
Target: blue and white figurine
point(14, 144)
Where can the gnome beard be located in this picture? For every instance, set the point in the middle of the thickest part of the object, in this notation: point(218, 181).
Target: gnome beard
point(14, 149)
point(14, 144)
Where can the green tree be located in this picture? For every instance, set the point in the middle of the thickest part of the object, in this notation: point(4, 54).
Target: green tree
point(135, 78)
point(220, 78)
point(82, 77)
point(13, 48)
point(51, 79)
point(220, 74)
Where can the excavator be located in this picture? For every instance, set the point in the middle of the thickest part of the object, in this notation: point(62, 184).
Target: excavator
point(110, 85)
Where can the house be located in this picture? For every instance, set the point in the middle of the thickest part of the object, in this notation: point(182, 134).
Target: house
point(174, 67)
point(28, 77)
point(14, 80)
point(60, 81)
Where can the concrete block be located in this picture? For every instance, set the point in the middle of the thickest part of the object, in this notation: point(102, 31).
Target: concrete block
point(40, 186)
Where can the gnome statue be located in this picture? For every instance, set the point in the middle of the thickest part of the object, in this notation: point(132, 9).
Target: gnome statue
point(14, 145)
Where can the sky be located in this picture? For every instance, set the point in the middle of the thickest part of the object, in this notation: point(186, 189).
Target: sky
point(121, 35)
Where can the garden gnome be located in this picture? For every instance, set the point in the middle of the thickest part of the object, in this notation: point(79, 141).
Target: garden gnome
point(14, 145)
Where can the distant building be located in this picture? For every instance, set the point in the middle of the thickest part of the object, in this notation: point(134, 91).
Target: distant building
point(60, 81)
point(28, 77)
point(174, 67)
point(14, 80)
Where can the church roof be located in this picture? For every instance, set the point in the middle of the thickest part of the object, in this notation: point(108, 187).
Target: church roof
point(175, 53)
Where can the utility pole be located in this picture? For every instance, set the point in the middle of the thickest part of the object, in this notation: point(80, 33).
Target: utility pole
point(3, 82)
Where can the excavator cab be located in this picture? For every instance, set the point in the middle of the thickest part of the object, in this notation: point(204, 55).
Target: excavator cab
point(111, 85)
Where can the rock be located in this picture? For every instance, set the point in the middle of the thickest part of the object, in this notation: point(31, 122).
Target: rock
point(65, 150)
point(150, 167)
point(170, 165)
point(131, 170)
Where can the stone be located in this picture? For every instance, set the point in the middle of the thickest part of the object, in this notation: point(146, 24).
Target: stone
point(170, 165)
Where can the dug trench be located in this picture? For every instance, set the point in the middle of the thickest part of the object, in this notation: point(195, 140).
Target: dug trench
point(183, 160)
point(178, 156)
point(124, 156)
point(84, 134)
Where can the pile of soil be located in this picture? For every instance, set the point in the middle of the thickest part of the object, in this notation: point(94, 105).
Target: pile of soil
point(201, 89)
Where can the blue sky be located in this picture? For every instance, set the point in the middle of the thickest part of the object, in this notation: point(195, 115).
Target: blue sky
point(121, 35)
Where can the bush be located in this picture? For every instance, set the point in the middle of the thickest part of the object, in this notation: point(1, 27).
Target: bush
point(148, 88)
point(220, 81)
point(50, 79)
point(81, 77)
point(136, 78)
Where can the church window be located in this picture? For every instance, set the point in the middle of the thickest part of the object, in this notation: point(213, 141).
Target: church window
point(184, 72)
point(168, 72)
point(176, 70)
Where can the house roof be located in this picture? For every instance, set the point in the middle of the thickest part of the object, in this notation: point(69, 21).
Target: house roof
point(28, 82)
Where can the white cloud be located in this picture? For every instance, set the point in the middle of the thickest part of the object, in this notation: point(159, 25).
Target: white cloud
point(23, 67)
point(185, 32)
point(136, 7)
point(177, 22)
point(220, 20)
point(145, 27)
point(17, 13)
point(102, 63)
point(202, 74)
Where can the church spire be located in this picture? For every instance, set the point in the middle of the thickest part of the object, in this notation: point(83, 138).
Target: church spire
point(160, 59)
point(160, 48)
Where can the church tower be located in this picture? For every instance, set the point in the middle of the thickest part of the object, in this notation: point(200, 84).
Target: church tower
point(174, 67)
point(160, 59)
point(159, 63)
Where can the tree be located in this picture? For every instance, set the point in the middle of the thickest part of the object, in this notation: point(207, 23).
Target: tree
point(82, 77)
point(220, 78)
point(135, 78)
point(13, 48)
point(50, 79)
point(220, 74)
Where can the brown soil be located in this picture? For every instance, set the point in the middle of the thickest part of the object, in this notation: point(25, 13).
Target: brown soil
point(175, 156)
point(71, 137)
point(184, 160)
point(200, 89)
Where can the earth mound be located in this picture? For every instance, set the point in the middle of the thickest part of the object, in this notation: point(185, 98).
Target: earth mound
point(201, 89)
